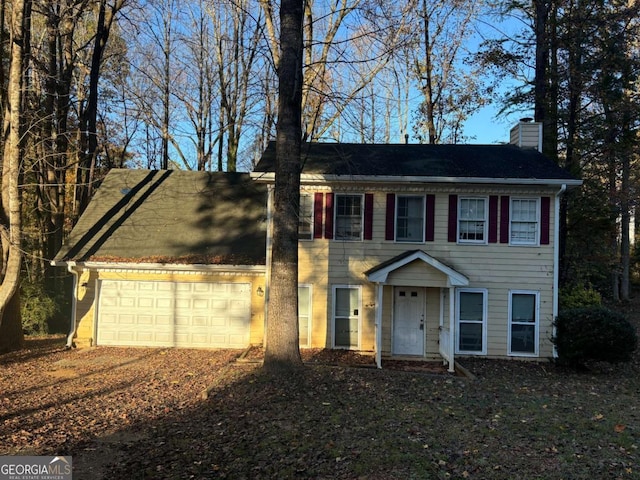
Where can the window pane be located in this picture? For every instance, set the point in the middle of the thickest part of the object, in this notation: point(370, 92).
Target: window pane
point(346, 317)
point(303, 314)
point(305, 217)
point(303, 300)
point(471, 306)
point(523, 338)
point(524, 221)
point(523, 308)
point(346, 334)
point(346, 302)
point(410, 219)
point(470, 337)
point(348, 217)
point(472, 219)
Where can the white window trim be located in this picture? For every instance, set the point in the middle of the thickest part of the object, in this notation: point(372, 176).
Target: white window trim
point(335, 217)
point(536, 334)
point(485, 232)
point(310, 287)
point(333, 316)
point(311, 218)
point(485, 302)
point(424, 218)
point(536, 242)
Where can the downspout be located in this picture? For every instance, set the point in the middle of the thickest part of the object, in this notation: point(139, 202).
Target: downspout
point(74, 303)
point(556, 260)
point(379, 325)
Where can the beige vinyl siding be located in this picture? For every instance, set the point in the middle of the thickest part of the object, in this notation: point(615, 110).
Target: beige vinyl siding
point(85, 308)
point(496, 267)
point(525, 134)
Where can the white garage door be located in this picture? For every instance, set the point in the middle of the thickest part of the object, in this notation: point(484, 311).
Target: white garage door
point(174, 314)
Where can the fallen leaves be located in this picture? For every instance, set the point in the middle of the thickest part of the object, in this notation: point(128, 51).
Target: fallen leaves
point(140, 410)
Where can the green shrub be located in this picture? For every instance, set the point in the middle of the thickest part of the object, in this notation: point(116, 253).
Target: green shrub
point(594, 333)
point(578, 296)
point(37, 309)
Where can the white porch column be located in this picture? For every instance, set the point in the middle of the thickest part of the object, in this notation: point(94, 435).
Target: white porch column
point(452, 331)
point(379, 294)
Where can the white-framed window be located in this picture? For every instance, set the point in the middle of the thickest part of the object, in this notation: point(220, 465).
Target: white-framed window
point(304, 315)
point(524, 308)
point(472, 220)
point(348, 221)
point(410, 213)
point(305, 217)
point(525, 221)
point(347, 305)
point(471, 318)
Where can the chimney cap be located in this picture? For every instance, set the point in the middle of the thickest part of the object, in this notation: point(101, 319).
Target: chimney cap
point(526, 120)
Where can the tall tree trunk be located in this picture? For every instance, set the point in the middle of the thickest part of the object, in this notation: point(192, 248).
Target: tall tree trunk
point(10, 320)
point(282, 349)
point(428, 80)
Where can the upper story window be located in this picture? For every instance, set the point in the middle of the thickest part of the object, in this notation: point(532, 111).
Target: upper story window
point(410, 219)
point(472, 220)
point(348, 217)
point(525, 219)
point(305, 218)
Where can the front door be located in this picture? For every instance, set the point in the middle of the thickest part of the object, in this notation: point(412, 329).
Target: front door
point(409, 321)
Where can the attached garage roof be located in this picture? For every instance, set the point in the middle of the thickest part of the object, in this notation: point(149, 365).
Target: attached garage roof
point(182, 217)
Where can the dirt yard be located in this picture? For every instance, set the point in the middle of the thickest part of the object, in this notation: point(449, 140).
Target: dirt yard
point(177, 414)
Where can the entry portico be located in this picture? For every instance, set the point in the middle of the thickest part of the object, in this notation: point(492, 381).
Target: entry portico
point(409, 275)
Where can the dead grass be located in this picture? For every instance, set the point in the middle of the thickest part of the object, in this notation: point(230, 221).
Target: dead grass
point(138, 413)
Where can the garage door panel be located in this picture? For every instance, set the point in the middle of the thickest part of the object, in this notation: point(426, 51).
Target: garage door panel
point(164, 303)
point(150, 313)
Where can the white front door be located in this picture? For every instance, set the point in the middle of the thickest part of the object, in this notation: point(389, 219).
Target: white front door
point(409, 321)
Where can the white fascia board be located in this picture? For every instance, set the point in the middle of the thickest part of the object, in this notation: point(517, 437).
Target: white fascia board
point(455, 279)
point(308, 178)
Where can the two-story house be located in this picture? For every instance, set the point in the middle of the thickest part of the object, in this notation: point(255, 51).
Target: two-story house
point(427, 250)
point(404, 250)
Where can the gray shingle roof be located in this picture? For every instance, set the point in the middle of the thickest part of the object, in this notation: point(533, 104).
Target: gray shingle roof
point(445, 161)
point(172, 217)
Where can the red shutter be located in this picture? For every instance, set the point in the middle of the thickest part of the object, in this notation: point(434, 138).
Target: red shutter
point(504, 219)
point(429, 226)
point(317, 215)
point(493, 219)
point(368, 216)
point(453, 219)
point(328, 216)
point(545, 218)
point(389, 226)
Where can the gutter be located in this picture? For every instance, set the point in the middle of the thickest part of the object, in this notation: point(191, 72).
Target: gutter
point(556, 260)
point(310, 178)
point(162, 266)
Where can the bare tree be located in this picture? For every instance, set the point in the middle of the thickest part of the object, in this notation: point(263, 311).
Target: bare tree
point(346, 44)
point(11, 220)
point(88, 115)
point(450, 94)
point(237, 41)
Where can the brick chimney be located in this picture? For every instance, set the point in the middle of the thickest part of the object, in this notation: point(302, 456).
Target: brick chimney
point(527, 134)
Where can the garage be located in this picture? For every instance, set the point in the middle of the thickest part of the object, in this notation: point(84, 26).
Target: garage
point(173, 314)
